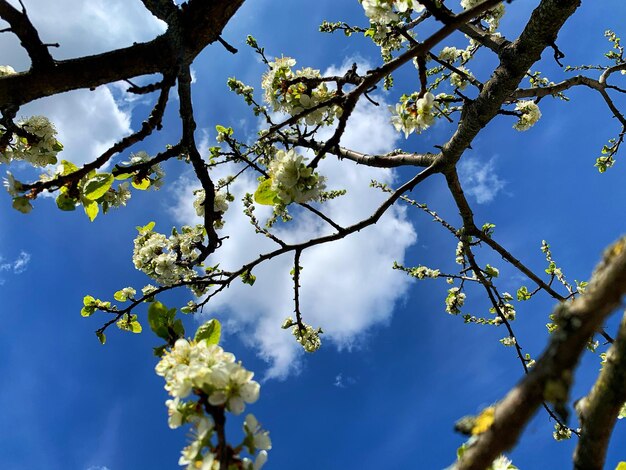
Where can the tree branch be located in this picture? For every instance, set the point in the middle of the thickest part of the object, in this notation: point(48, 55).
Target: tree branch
point(202, 25)
point(27, 34)
point(598, 411)
point(551, 377)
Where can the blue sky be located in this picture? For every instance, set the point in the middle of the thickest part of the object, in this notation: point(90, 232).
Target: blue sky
point(395, 371)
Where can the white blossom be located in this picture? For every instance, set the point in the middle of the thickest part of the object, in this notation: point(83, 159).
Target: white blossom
point(308, 337)
point(292, 180)
point(454, 300)
point(167, 259)
point(220, 204)
point(458, 80)
point(413, 114)
point(493, 15)
point(530, 115)
point(286, 94)
point(258, 438)
point(38, 151)
point(6, 70)
point(382, 11)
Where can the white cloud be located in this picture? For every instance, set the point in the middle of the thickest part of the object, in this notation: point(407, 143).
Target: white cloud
point(479, 179)
point(82, 28)
point(88, 122)
point(347, 286)
point(18, 266)
point(343, 382)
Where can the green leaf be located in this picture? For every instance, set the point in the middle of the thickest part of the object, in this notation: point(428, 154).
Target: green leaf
point(621, 466)
point(22, 204)
point(159, 318)
point(57, 146)
point(123, 176)
point(224, 130)
point(159, 350)
point(68, 167)
point(146, 228)
point(87, 311)
point(120, 296)
point(129, 324)
point(178, 328)
point(141, 184)
point(65, 203)
point(101, 337)
point(91, 208)
point(210, 331)
point(523, 294)
point(264, 194)
point(248, 278)
point(88, 300)
point(97, 186)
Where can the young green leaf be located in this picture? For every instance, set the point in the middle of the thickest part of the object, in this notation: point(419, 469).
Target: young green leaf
point(97, 186)
point(159, 318)
point(264, 194)
point(141, 184)
point(68, 167)
point(91, 208)
point(65, 203)
point(101, 337)
point(22, 204)
point(210, 331)
point(129, 324)
point(146, 228)
point(87, 311)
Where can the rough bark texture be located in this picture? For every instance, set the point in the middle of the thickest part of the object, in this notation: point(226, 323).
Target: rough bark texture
point(551, 377)
point(599, 410)
point(202, 22)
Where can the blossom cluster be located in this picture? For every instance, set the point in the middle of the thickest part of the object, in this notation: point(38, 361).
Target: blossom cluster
point(492, 17)
point(167, 259)
point(459, 253)
point(454, 300)
point(530, 115)
point(386, 11)
point(6, 70)
point(294, 92)
point(293, 180)
point(460, 80)
point(413, 114)
point(156, 172)
point(561, 432)
point(306, 335)
point(451, 54)
point(502, 463)
point(117, 197)
point(423, 272)
point(205, 367)
point(216, 379)
point(39, 150)
point(220, 204)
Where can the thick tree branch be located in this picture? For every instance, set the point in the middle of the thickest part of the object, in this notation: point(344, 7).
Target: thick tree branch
point(551, 377)
point(202, 25)
point(199, 166)
point(598, 411)
point(445, 15)
point(147, 127)
point(164, 10)
point(516, 59)
point(28, 35)
point(390, 160)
